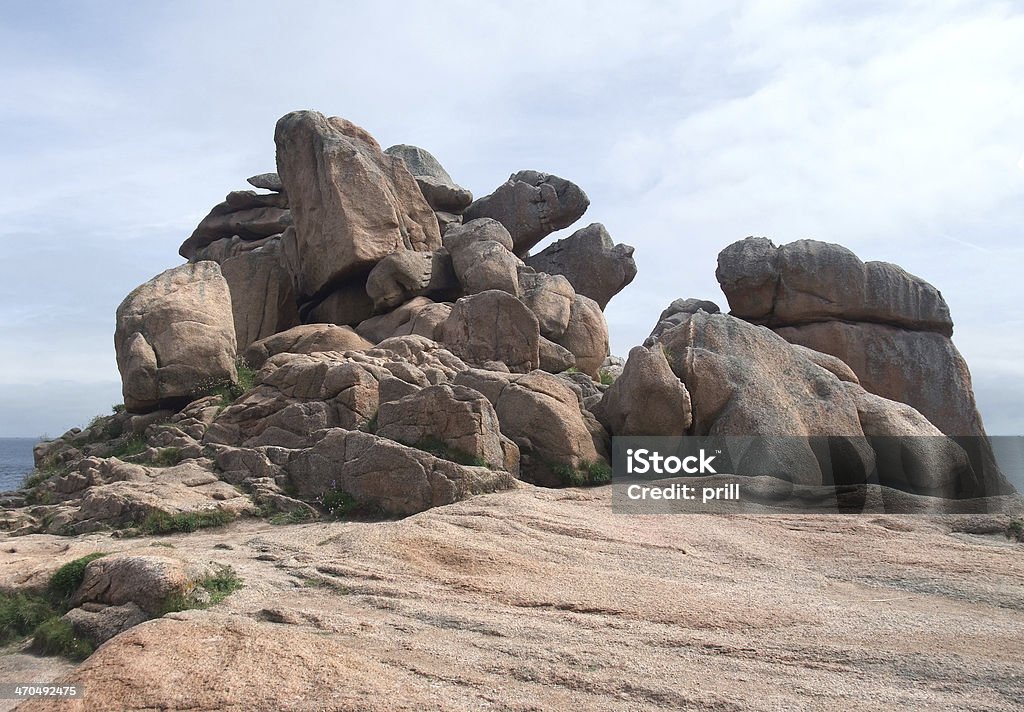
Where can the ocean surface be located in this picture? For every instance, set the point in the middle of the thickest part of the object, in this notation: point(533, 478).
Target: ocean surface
point(15, 461)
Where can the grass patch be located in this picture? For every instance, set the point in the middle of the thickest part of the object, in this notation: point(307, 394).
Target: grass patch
point(607, 379)
point(295, 516)
point(592, 474)
point(164, 523)
point(131, 446)
point(22, 613)
point(66, 580)
point(209, 591)
point(441, 449)
point(167, 457)
point(56, 637)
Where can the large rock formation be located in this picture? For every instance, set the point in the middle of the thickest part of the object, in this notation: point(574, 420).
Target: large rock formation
point(175, 336)
point(890, 327)
point(351, 203)
point(262, 300)
point(493, 326)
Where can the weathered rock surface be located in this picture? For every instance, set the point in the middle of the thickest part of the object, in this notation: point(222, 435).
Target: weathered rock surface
point(676, 313)
point(420, 316)
point(381, 475)
point(347, 304)
point(542, 415)
point(461, 419)
point(494, 326)
point(398, 277)
point(175, 335)
point(225, 222)
point(146, 581)
point(98, 624)
point(305, 339)
point(262, 300)
point(482, 258)
point(594, 265)
point(351, 203)
point(810, 281)
point(647, 399)
point(586, 335)
point(438, 188)
point(746, 380)
point(550, 298)
point(541, 585)
point(531, 205)
point(267, 181)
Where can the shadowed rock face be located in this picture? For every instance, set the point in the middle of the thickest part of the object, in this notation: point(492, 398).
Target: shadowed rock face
point(351, 203)
point(531, 205)
point(175, 335)
point(594, 265)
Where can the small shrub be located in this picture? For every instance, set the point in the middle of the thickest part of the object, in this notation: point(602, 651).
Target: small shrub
point(337, 503)
point(66, 580)
point(56, 637)
point(607, 378)
point(591, 474)
point(164, 523)
point(21, 613)
point(117, 407)
point(1015, 530)
point(246, 377)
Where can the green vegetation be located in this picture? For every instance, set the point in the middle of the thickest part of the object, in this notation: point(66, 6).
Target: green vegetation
point(131, 446)
point(229, 392)
point(337, 503)
point(22, 613)
point(166, 457)
point(56, 637)
point(607, 379)
point(589, 475)
point(39, 615)
point(295, 516)
point(208, 591)
point(66, 580)
point(117, 407)
point(164, 523)
point(441, 449)
point(1015, 530)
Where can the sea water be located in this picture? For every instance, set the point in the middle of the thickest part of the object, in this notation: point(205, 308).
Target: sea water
point(15, 461)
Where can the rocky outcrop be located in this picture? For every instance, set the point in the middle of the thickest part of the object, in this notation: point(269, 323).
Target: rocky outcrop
point(745, 380)
point(420, 316)
point(890, 327)
point(351, 203)
point(676, 313)
point(531, 205)
point(594, 265)
point(225, 222)
point(267, 181)
point(305, 339)
point(175, 336)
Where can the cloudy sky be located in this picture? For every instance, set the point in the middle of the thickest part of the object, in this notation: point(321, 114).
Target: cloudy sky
point(894, 128)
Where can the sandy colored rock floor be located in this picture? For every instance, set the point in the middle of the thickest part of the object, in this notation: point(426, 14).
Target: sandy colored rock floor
point(546, 600)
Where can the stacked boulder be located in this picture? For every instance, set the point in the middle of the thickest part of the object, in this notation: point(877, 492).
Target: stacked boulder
point(890, 327)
